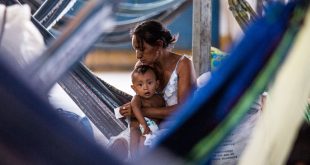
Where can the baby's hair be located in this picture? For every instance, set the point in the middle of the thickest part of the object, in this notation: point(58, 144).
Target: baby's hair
point(142, 69)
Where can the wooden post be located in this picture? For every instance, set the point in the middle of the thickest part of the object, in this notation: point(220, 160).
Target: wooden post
point(201, 43)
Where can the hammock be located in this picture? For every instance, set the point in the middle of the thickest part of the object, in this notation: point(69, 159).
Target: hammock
point(7, 3)
point(140, 9)
point(51, 11)
point(164, 11)
point(32, 132)
point(34, 4)
point(44, 74)
point(120, 34)
point(97, 100)
point(217, 107)
point(243, 12)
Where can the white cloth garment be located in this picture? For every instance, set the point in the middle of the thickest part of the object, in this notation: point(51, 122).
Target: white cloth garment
point(171, 90)
point(171, 98)
point(149, 138)
point(21, 38)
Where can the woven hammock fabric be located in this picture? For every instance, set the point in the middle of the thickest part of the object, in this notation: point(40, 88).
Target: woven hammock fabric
point(278, 127)
point(63, 53)
point(51, 11)
point(263, 78)
point(214, 102)
point(32, 132)
point(95, 97)
point(243, 12)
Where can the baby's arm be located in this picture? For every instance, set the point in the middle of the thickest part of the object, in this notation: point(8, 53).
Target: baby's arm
point(136, 108)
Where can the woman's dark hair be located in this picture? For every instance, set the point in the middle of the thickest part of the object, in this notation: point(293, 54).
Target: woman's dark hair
point(151, 31)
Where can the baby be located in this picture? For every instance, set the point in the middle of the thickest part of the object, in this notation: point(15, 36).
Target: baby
point(144, 83)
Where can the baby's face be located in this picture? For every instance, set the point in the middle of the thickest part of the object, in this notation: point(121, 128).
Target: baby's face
point(144, 84)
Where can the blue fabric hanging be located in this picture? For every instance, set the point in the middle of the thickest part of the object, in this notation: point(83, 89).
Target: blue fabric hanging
point(212, 103)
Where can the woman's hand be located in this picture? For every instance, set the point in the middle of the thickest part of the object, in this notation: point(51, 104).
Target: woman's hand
point(126, 110)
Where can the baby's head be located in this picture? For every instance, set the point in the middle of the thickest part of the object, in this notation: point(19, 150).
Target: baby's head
point(144, 81)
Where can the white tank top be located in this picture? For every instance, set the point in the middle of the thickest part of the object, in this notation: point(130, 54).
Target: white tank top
point(171, 90)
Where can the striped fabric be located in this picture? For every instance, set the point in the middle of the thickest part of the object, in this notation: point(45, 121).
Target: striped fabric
point(216, 109)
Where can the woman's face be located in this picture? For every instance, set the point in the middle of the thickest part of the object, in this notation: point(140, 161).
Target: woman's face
point(147, 54)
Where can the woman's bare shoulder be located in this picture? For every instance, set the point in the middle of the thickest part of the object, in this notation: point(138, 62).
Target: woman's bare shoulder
point(185, 63)
point(186, 70)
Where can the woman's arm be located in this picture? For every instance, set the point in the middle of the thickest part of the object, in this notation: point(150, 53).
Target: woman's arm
point(186, 84)
point(154, 113)
point(186, 79)
point(158, 112)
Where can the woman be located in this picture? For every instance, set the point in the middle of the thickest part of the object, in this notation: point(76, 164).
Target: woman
point(152, 43)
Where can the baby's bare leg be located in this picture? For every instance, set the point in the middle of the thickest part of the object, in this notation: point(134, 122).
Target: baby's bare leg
point(141, 143)
point(135, 135)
